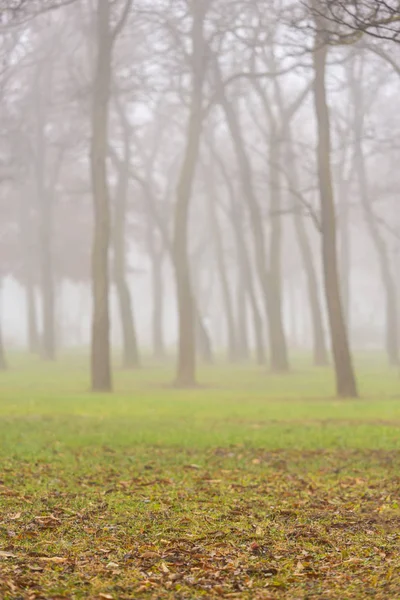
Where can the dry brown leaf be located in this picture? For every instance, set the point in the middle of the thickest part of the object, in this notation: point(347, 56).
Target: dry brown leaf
point(164, 568)
point(6, 554)
point(53, 559)
point(15, 517)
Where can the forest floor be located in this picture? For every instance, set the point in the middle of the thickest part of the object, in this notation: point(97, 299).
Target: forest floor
point(252, 486)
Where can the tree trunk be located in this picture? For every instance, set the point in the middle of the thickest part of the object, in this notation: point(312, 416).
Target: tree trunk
point(130, 347)
point(388, 282)
point(320, 353)
point(100, 354)
point(186, 367)
point(245, 268)
point(345, 379)
point(221, 266)
point(242, 329)
point(3, 362)
point(158, 305)
point(279, 357)
point(28, 274)
point(277, 341)
point(44, 199)
point(33, 331)
point(345, 254)
point(47, 279)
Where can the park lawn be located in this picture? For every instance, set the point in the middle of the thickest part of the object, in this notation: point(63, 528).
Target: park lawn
point(252, 486)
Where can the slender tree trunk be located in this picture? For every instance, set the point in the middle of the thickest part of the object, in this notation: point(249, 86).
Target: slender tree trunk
point(186, 367)
point(3, 362)
point(245, 268)
point(28, 274)
point(242, 329)
point(345, 379)
point(279, 357)
point(45, 211)
point(345, 254)
point(33, 330)
point(221, 266)
point(157, 258)
point(320, 353)
point(130, 347)
point(47, 280)
point(100, 356)
point(277, 342)
point(387, 278)
point(158, 306)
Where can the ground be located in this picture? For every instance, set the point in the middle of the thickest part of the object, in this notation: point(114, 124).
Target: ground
point(252, 486)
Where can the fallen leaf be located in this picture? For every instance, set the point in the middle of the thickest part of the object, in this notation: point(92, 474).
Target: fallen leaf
point(53, 559)
point(15, 517)
point(149, 554)
point(112, 565)
point(164, 568)
point(6, 554)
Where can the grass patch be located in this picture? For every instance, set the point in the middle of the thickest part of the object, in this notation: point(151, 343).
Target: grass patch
point(258, 486)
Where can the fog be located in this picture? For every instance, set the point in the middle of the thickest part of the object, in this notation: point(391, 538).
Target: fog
point(209, 181)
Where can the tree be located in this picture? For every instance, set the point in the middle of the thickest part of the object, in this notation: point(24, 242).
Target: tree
point(345, 378)
point(186, 367)
point(105, 40)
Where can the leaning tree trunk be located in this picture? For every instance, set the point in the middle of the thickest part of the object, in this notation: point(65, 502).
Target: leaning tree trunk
point(345, 379)
point(186, 367)
point(100, 351)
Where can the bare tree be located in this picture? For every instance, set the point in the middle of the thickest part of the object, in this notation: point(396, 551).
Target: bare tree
point(345, 379)
point(185, 376)
point(105, 40)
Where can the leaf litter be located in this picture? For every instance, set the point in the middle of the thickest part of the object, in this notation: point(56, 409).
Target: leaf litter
point(222, 523)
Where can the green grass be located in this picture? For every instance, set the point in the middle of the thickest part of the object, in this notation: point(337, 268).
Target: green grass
point(251, 486)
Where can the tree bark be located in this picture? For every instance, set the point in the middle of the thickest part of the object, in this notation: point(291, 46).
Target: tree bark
point(345, 379)
point(186, 365)
point(101, 378)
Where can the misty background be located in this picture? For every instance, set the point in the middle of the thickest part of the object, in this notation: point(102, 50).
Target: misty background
point(212, 102)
